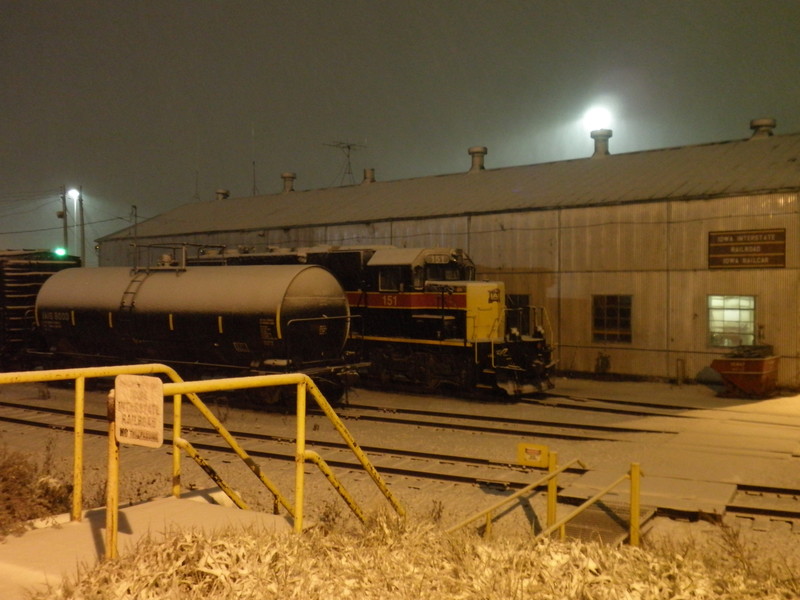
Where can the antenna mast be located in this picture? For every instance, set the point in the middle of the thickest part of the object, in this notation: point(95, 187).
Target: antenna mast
point(347, 148)
point(253, 157)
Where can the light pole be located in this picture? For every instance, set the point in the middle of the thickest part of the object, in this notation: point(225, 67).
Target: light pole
point(76, 195)
point(63, 216)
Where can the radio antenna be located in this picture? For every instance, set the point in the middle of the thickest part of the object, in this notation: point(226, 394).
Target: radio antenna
point(253, 156)
point(347, 148)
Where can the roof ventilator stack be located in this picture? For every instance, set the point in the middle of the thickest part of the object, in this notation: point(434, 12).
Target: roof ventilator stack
point(762, 128)
point(477, 153)
point(288, 181)
point(601, 137)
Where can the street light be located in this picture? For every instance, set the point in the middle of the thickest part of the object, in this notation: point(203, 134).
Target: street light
point(76, 195)
point(597, 117)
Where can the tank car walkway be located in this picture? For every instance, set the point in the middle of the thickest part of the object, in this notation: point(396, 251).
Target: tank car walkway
point(42, 557)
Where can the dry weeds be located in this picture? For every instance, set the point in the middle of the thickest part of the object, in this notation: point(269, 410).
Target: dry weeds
point(28, 491)
point(398, 560)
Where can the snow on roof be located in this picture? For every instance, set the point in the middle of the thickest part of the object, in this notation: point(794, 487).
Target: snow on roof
point(768, 164)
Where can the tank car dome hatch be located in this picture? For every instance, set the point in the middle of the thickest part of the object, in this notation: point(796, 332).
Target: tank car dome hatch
point(241, 316)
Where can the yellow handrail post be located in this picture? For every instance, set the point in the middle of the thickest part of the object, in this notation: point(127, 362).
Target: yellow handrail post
point(552, 488)
point(176, 452)
point(112, 484)
point(487, 531)
point(300, 457)
point(635, 475)
point(77, 456)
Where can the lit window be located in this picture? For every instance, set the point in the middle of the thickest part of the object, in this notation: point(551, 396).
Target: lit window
point(611, 319)
point(731, 320)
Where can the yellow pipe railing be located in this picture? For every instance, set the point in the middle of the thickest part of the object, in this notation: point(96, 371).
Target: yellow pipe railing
point(552, 499)
point(303, 384)
point(177, 388)
point(80, 375)
point(634, 474)
point(552, 487)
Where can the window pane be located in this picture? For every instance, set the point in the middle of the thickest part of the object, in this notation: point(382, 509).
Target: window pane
point(611, 318)
point(731, 320)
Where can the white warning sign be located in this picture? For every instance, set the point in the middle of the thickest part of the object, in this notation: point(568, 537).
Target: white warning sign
point(139, 410)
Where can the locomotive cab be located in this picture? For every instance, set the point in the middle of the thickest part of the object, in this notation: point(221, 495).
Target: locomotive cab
point(407, 269)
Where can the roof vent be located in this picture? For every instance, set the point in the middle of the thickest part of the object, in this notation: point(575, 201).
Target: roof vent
point(288, 181)
point(477, 153)
point(762, 128)
point(222, 194)
point(369, 176)
point(600, 137)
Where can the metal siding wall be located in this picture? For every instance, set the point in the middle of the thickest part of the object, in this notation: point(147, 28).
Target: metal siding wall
point(614, 238)
point(645, 355)
point(775, 289)
point(515, 242)
point(447, 232)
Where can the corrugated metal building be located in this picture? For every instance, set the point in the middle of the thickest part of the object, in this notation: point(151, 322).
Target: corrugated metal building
point(649, 263)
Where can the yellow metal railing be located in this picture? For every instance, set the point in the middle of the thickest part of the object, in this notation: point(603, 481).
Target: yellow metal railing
point(552, 499)
point(177, 388)
point(552, 524)
point(80, 376)
point(634, 475)
point(304, 384)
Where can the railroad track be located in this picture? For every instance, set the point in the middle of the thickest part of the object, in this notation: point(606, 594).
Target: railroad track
point(426, 465)
point(541, 428)
point(751, 501)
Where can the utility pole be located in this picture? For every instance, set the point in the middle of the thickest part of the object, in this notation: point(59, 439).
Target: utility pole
point(83, 226)
point(63, 216)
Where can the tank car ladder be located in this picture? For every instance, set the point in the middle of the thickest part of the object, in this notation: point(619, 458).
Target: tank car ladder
point(128, 300)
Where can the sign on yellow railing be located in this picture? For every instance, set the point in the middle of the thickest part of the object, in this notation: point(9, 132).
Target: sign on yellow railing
point(139, 401)
point(533, 455)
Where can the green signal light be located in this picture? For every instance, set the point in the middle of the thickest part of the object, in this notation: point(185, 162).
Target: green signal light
point(60, 251)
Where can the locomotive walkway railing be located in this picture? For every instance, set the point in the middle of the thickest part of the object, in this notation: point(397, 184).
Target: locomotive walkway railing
point(554, 524)
point(178, 388)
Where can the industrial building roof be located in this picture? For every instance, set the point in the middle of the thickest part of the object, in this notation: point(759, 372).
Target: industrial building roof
point(761, 164)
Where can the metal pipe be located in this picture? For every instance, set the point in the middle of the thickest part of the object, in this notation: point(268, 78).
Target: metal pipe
point(299, 458)
point(112, 484)
point(635, 475)
point(77, 453)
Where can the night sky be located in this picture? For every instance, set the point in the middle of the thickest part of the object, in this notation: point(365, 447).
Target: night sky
point(159, 103)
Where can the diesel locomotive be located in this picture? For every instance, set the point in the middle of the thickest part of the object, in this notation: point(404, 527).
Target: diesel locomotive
point(423, 318)
point(238, 319)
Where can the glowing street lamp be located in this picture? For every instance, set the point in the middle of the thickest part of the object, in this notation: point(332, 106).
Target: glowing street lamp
point(76, 195)
point(597, 117)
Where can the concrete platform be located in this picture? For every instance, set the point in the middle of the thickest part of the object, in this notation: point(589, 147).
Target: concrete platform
point(44, 556)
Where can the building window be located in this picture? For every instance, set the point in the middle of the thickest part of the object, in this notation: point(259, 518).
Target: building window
point(731, 320)
point(611, 319)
